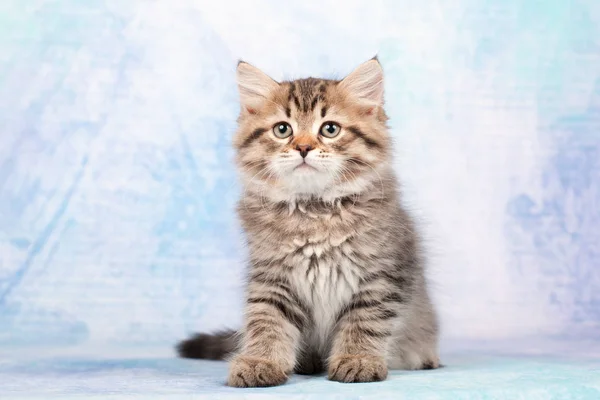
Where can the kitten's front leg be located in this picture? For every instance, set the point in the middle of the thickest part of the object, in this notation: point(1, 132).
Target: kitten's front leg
point(363, 329)
point(274, 317)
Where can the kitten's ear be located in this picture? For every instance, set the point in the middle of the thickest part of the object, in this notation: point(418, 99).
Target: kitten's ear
point(254, 85)
point(365, 83)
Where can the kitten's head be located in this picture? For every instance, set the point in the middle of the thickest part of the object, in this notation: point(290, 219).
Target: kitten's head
point(311, 138)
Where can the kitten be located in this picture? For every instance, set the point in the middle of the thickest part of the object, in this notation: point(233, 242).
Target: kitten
point(336, 276)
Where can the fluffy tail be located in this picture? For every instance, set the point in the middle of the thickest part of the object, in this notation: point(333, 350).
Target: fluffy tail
point(216, 346)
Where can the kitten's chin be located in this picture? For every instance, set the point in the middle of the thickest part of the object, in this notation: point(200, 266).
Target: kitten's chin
point(307, 180)
point(310, 183)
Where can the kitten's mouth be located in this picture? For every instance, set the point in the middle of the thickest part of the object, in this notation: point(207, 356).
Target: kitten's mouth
point(304, 166)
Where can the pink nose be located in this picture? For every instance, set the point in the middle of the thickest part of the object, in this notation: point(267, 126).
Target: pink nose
point(304, 149)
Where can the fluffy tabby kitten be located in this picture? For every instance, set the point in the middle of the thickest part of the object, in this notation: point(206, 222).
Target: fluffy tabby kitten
point(336, 278)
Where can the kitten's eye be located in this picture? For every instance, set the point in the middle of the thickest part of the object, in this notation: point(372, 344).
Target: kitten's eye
point(282, 130)
point(330, 129)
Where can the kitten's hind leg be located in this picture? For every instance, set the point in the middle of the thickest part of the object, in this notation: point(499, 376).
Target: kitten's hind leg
point(413, 352)
point(413, 361)
point(435, 364)
point(414, 343)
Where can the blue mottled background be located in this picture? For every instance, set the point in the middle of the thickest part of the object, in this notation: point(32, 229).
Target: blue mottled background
point(117, 187)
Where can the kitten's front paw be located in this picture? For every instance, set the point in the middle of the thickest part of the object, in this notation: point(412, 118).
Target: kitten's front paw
point(255, 372)
point(357, 368)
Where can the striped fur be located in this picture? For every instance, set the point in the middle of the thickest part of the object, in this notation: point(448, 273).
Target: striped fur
point(336, 279)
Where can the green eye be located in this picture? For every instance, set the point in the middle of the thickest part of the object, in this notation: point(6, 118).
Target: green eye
point(330, 129)
point(282, 130)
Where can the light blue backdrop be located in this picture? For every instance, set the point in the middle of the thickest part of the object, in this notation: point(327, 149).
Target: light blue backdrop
point(117, 188)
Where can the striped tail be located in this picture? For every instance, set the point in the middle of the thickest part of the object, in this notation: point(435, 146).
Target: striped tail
point(216, 346)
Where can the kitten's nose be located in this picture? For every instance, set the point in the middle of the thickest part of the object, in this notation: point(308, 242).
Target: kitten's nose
point(304, 149)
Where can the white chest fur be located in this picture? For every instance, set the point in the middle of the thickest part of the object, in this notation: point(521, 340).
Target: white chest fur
point(324, 277)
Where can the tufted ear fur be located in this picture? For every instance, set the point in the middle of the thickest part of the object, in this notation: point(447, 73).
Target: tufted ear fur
point(254, 86)
point(365, 83)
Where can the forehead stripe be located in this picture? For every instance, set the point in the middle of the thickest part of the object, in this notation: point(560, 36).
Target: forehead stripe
point(314, 104)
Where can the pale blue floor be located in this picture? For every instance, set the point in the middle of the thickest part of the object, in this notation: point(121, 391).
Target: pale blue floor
point(120, 374)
